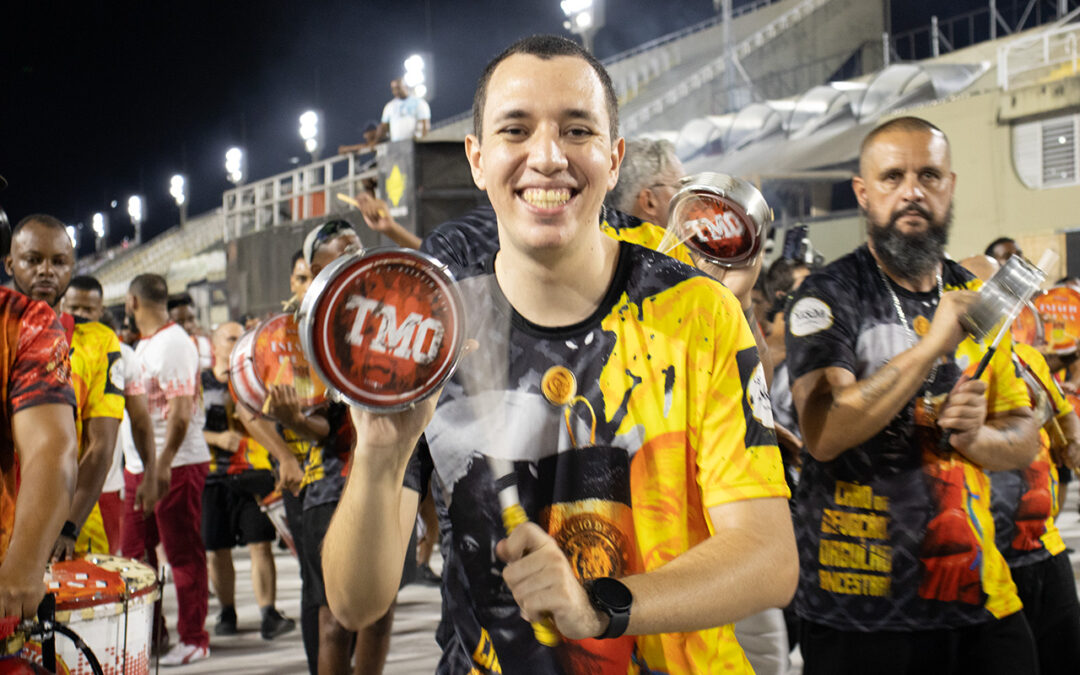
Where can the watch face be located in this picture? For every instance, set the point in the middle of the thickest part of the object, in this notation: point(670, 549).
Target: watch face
point(612, 593)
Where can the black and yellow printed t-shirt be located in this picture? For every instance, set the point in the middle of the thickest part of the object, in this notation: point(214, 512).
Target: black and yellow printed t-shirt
point(894, 534)
point(327, 463)
point(1024, 501)
point(249, 456)
point(620, 432)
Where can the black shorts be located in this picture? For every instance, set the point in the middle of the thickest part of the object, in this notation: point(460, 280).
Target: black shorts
point(230, 511)
point(1048, 591)
point(1002, 647)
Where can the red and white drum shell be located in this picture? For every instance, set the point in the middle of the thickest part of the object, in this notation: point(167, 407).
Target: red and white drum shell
point(109, 602)
point(723, 218)
point(273, 505)
point(384, 329)
point(270, 354)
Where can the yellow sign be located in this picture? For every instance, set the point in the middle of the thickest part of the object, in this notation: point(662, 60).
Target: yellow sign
point(395, 185)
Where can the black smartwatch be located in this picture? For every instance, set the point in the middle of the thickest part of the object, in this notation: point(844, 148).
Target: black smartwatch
point(613, 598)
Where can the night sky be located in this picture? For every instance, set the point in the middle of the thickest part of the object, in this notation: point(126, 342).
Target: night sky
point(101, 100)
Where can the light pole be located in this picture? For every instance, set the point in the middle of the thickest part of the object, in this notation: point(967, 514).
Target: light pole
point(135, 211)
point(178, 190)
point(235, 165)
point(584, 18)
point(97, 224)
point(312, 132)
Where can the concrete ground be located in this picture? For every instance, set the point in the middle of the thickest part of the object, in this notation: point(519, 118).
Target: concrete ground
point(412, 648)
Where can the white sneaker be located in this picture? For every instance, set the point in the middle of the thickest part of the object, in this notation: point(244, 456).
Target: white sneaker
point(183, 654)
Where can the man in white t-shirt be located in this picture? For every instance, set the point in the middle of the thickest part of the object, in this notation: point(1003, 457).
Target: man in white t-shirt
point(168, 375)
point(405, 116)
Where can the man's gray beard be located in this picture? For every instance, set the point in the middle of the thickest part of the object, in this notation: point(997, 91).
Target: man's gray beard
point(909, 256)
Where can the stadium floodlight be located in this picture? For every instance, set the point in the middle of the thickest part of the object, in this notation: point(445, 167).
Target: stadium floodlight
point(177, 188)
point(417, 75)
point(137, 215)
point(312, 133)
point(97, 222)
point(235, 165)
point(584, 18)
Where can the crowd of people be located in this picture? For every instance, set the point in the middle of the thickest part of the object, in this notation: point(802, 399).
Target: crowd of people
point(795, 455)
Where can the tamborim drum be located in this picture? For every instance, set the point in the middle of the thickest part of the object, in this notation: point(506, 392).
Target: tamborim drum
point(723, 218)
point(383, 329)
point(270, 354)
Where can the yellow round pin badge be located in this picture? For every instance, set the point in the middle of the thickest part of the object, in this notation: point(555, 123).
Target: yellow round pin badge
point(921, 325)
point(558, 385)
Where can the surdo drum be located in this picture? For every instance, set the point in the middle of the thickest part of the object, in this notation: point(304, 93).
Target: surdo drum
point(383, 329)
point(268, 355)
point(722, 218)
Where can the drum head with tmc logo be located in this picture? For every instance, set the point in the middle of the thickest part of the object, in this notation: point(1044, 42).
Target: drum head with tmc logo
point(383, 329)
point(721, 217)
point(279, 359)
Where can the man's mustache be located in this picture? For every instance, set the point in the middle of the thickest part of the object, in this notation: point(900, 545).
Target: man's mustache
point(908, 210)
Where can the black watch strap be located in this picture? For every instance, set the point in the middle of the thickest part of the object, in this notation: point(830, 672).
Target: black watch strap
point(613, 598)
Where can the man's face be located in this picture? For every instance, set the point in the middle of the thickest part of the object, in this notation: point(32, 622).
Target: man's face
point(185, 316)
point(397, 88)
point(546, 159)
point(1005, 250)
point(663, 188)
point(84, 304)
point(300, 278)
point(41, 262)
point(905, 189)
point(332, 250)
point(224, 340)
point(906, 181)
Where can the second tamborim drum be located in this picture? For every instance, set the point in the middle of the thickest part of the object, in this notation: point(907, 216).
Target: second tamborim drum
point(384, 329)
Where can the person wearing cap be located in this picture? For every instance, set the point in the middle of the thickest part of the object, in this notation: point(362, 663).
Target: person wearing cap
point(41, 263)
point(38, 448)
point(328, 437)
point(899, 568)
point(623, 389)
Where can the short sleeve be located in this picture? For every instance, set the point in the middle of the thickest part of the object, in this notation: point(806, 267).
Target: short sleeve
point(418, 473)
point(821, 333)
point(423, 110)
point(737, 453)
point(105, 393)
point(1006, 389)
point(133, 380)
point(177, 369)
point(386, 113)
point(41, 373)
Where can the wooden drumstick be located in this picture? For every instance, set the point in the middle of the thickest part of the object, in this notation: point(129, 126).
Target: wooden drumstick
point(349, 200)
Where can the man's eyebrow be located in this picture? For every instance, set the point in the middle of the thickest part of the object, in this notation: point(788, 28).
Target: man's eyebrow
point(581, 114)
point(512, 114)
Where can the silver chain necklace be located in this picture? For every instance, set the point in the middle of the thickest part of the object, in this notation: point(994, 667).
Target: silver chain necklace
point(900, 314)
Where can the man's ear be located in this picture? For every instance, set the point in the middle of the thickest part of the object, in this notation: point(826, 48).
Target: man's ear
point(647, 204)
point(9, 265)
point(472, 153)
point(858, 186)
point(618, 151)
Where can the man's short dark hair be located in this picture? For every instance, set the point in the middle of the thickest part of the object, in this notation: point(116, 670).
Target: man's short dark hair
point(45, 219)
point(299, 255)
point(546, 47)
point(87, 283)
point(150, 288)
point(907, 123)
point(179, 300)
point(998, 242)
point(781, 276)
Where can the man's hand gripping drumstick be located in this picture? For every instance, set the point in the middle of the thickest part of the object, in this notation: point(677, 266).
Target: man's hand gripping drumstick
point(376, 214)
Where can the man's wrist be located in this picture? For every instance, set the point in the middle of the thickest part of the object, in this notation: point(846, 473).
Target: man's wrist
point(69, 530)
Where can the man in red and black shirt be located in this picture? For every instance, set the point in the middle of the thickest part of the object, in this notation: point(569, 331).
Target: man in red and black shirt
point(37, 447)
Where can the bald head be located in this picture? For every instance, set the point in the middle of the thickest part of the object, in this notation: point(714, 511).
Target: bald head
point(902, 125)
point(222, 341)
point(982, 266)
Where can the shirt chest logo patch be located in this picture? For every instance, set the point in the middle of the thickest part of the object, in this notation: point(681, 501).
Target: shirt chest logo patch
point(809, 316)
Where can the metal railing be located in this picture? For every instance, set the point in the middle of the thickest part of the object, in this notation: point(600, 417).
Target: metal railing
point(716, 67)
point(1028, 60)
point(305, 192)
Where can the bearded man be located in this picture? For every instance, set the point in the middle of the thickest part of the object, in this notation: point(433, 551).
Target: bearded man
point(899, 572)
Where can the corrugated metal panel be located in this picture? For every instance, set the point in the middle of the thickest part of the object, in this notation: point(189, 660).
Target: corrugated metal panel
point(1059, 151)
point(1027, 154)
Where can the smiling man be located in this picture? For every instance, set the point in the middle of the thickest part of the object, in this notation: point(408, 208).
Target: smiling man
point(624, 390)
point(899, 572)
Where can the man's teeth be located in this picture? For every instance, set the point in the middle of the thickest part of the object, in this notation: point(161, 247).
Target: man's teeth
point(546, 199)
